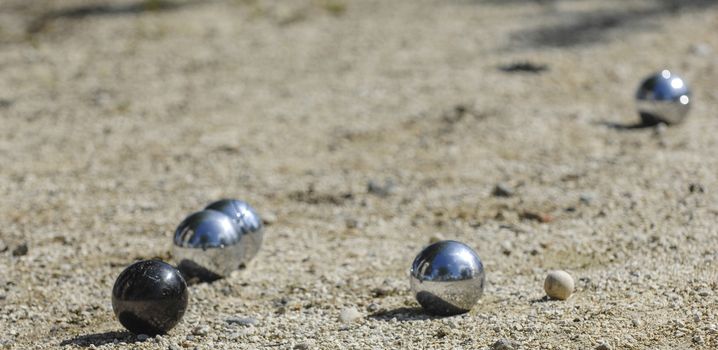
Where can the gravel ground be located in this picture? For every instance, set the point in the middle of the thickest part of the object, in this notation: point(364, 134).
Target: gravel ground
point(360, 130)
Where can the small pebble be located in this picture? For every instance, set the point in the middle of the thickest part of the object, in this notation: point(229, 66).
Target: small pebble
point(603, 346)
point(244, 321)
point(504, 344)
point(373, 307)
point(443, 332)
point(502, 190)
point(200, 330)
point(268, 218)
point(536, 216)
point(696, 188)
point(351, 223)
point(377, 189)
point(142, 337)
point(349, 314)
point(558, 285)
point(20, 250)
point(506, 248)
point(586, 198)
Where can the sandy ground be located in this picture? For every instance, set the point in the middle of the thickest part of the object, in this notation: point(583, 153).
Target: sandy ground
point(120, 118)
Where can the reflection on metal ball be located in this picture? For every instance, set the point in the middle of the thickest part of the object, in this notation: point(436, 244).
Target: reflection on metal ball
point(663, 97)
point(447, 278)
point(246, 221)
point(208, 246)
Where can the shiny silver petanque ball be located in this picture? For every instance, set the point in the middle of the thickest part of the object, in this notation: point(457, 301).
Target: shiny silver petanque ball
point(663, 97)
point(209, 245)
point(246, 221)
point(447, 278)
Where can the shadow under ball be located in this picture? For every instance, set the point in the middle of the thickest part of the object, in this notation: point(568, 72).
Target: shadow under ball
point(207, 246)
point(246, 221)
point(663, 98)
point(149, 297)
point(447, 278)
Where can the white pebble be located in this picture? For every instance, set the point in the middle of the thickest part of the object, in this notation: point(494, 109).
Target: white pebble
point(349, 314)
point(200, 330)
point(558, 285)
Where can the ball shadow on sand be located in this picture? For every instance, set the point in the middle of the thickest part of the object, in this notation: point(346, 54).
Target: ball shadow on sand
point(646, 122)
point(193, 273)
point(542, 299)
point(108, 9)
point(594, 26)
point(97, 339)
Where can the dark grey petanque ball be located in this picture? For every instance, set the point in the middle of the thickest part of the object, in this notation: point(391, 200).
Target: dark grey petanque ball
point(663, 97)
point(447, 278)
point(212, 243)
point(149, 297)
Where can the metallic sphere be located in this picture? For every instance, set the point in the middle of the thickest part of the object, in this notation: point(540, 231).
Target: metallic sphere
point(246, 221)
point(149, 297)
point(447, 278)
point(663, 97)
point(208, 246)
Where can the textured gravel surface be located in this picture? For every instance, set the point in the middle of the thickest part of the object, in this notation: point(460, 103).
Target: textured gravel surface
point(361, 131)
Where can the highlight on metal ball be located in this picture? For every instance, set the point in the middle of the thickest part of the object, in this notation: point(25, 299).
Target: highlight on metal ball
point(663, 98)
point(447, 278)
point(207, 246)
point(246, 221)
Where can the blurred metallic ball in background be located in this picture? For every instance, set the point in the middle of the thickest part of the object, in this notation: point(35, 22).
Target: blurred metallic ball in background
point(663, 97)
point(246, 221)
point(447, 278)
point(208, 246)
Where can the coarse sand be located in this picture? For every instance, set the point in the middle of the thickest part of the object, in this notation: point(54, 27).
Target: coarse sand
point(360, 130)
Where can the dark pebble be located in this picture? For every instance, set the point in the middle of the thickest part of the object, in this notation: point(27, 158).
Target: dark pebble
point(696, 188)
point(244, 321)
point(504, 344)
point(20, 250)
